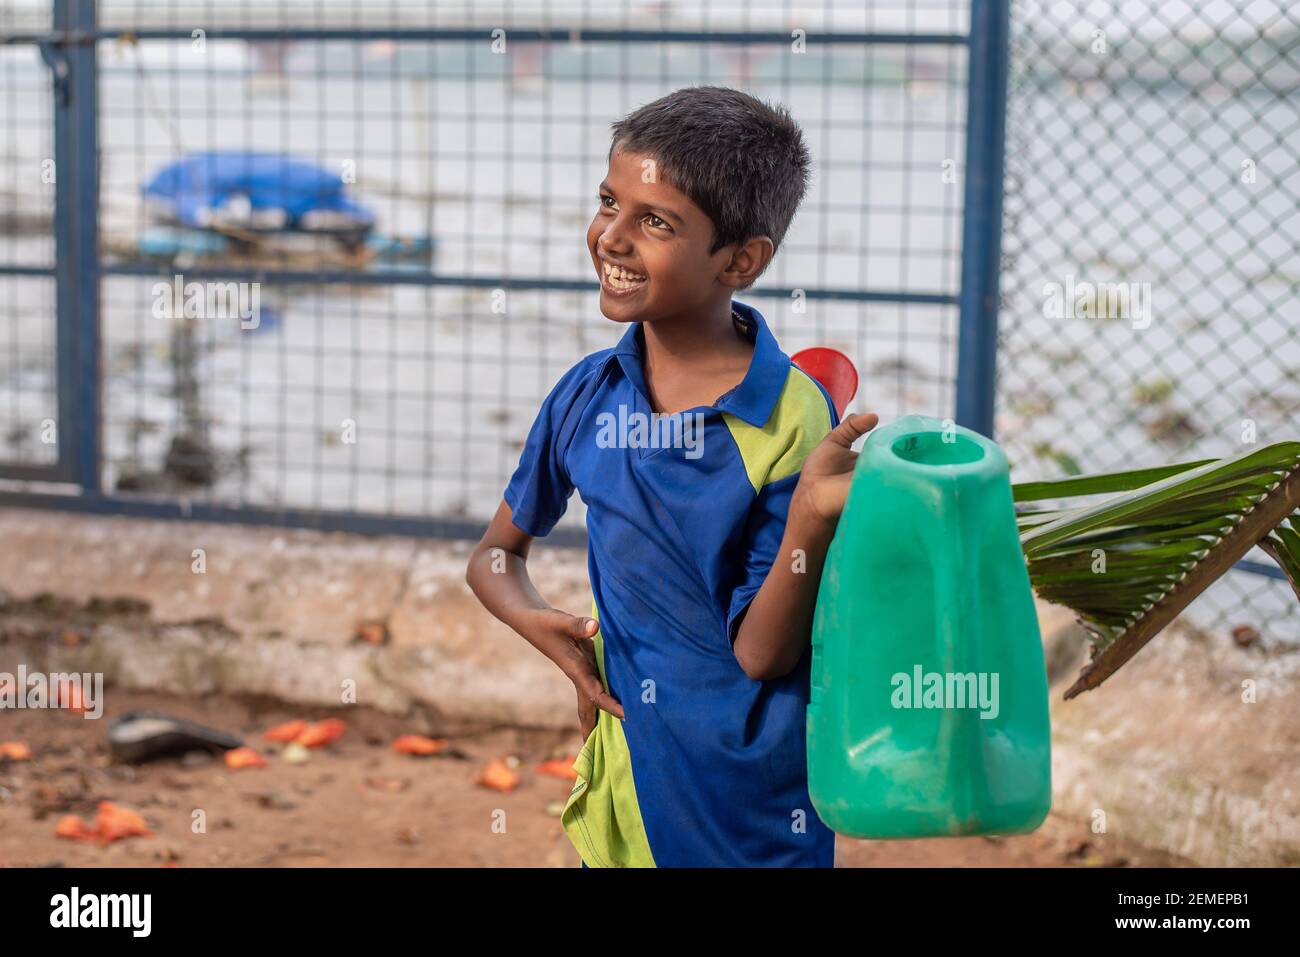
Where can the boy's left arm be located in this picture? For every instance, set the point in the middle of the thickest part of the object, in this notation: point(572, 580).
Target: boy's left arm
point(777, 626)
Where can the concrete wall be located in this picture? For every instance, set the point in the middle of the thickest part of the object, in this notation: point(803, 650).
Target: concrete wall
point(276, 612)
point(1167, 752)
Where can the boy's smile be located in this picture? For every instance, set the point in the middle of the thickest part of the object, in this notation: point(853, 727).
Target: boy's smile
point(650, 246)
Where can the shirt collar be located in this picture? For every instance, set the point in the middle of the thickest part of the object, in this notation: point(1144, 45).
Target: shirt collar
point(754, 398)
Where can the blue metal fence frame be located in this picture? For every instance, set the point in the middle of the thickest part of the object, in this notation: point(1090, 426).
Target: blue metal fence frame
point(70, 50)
point(981, 246)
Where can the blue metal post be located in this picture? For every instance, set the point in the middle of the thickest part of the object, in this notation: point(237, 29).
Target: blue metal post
point(76, 165)
point(981, 247)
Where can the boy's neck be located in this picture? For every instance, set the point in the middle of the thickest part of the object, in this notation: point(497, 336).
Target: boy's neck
point(699, 341)
point(691, 363)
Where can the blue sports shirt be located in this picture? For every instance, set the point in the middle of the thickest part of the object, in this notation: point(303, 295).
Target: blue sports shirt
point(685, 515)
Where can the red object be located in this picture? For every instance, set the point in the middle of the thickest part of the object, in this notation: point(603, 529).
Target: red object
point(418, 744)
point(834, 370)
point(321, 733)
point(284, 733)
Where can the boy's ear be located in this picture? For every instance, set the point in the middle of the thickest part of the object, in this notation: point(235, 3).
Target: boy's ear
point(748, 262)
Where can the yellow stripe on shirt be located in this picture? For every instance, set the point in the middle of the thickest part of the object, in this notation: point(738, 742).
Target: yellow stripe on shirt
point(800, 420)
point(602, 816)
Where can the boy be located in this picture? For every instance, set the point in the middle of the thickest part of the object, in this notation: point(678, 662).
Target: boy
point(714, 472)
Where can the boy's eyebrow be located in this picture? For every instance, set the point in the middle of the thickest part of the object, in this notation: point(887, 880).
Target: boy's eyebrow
point(661, 209)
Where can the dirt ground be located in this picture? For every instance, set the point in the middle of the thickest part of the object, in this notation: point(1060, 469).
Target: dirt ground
point(356, 802)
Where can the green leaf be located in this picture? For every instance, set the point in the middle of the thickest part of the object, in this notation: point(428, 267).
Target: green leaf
point(1167, 533)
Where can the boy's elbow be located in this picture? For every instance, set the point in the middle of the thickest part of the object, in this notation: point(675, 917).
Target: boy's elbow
point(470, 567)
point(759, 668)
point(755, 673)
point(759, 664)
point(768, 673)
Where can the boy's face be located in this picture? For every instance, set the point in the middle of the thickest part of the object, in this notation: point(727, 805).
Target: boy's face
point(656, 232)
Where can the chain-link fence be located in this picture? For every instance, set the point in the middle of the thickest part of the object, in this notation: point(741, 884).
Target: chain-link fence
point(1152, 220)
point(390, 386)
point(1152, 248)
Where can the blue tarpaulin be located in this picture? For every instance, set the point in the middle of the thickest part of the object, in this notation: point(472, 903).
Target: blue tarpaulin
point(275, 191)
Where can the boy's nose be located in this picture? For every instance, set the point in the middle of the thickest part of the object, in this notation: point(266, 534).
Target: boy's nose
point(613, 249)
point(613, 239)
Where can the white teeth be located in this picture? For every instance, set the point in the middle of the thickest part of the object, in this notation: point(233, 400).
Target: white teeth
point(621, 278)
point(617, 283)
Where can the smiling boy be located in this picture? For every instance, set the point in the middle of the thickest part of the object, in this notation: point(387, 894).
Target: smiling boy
point(704, 557)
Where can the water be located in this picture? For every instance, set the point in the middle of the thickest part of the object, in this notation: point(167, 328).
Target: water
point(502, 170)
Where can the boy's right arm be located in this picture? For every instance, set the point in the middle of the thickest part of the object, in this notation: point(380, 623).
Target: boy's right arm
point(498, 576)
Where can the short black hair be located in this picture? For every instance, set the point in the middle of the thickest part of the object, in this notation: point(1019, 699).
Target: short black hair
point(741, 161)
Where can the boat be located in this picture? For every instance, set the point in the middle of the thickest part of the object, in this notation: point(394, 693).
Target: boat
point(263, 209)
point(256, 194)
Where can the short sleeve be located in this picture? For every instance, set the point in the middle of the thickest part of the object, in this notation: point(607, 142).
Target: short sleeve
point(538, 491)
point(765, 522)
point(764, 530)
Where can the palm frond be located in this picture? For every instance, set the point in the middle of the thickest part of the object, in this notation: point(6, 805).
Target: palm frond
point(1131, 562)
point(1283, 545)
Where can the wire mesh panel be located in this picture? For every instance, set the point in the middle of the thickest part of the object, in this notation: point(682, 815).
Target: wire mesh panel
point(28, 359)
point(385, 269)
point(395, 370)
point(28, 388)
point(1152, 226)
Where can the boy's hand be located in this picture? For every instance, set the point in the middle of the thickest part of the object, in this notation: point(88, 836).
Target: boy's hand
point(828, 470)
point(577, 661)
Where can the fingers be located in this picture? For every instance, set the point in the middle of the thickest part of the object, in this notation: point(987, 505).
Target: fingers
point(590, 686)
point(586, 715)
point(853, 428)
point(571, 626)
point(577, 627)
point(607, 702)
point(582, 630)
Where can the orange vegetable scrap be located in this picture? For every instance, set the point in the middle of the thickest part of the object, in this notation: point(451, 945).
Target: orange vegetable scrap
point(284, 733)
point(558, 769)
point(321, 733)
point(237, 758)
point(74, 829)
point(418, 744)
point(15, 751)
point(499, 776)
point(372, 632)
point(115, 823)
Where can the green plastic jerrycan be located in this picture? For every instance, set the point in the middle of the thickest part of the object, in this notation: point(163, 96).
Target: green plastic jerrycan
point(928, 713)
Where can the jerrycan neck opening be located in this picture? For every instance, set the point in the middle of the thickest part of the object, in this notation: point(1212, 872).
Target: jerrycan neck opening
point(936, 448)
point(926, 446)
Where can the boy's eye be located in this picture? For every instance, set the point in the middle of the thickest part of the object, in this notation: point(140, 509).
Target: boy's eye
point(656, 222)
